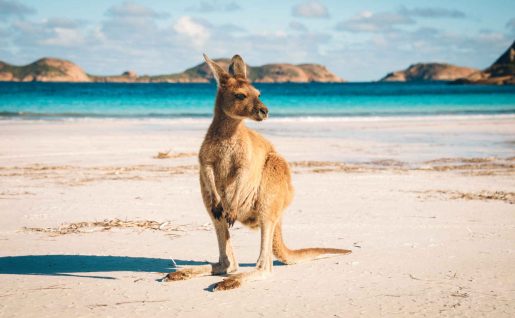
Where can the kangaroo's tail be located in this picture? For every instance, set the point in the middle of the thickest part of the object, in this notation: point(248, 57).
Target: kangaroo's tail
point(287, 256)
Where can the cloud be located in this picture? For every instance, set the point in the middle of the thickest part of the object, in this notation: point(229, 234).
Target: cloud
point(64, 23)
point(131, 9)
point(229, 28)
point(130, 22)
point(193, 29)
point(432, 12)
point(212, 6)
point(128, 32)
point(269, 47)
point(367, 21)
point(297, 26)
point(64, 37)
point(14, 8)
point(52, 32)
point(310, 9)
point(135, 37)
point(397, 49)
point(128, 28)
point(5, 47)
point(510, 25)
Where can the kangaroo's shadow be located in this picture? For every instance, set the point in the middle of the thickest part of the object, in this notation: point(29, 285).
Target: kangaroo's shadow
point(74, 265)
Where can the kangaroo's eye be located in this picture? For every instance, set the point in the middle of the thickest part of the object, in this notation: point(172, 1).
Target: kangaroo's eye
point(240, 96)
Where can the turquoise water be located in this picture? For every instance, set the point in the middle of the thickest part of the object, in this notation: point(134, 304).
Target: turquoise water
point(62, 100)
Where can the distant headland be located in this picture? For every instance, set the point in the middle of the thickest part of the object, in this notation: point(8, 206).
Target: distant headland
point(502, 71)
point(429, 72)
point(59, 70)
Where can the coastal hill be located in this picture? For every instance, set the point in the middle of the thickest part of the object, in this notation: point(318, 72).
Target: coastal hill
point(58, 70)
point(269, 73)
point(43, 70)
point(502, 71)
point(429, 72)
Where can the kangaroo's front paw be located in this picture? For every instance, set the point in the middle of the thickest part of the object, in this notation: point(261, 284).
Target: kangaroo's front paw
point(228, 283)
point(217, 211)
point(230, 217)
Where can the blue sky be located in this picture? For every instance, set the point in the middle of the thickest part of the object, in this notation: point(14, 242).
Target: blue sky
point(358, 40)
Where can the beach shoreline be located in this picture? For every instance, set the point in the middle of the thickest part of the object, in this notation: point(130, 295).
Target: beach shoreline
point(351, 140)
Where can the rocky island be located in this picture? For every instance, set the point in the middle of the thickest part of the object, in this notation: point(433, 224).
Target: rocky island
point(429, 72)
point(58, 70)
point(502, 71)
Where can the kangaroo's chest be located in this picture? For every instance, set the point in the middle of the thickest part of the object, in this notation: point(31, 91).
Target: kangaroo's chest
point(230, 158)
point(237, 159)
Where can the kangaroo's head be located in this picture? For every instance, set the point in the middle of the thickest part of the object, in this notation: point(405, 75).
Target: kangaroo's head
point(237, 98)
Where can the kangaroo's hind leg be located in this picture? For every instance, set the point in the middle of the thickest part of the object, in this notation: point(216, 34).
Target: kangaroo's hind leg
point(226, 262)
point(263, 265)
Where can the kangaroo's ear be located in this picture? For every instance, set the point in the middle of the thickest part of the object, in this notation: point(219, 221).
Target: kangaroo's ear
point(238, 67)
point(219, 74)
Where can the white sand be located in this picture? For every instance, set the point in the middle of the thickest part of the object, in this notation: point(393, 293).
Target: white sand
point(425, 242)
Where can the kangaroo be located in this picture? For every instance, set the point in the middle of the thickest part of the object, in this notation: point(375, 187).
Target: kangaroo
point(243, 178)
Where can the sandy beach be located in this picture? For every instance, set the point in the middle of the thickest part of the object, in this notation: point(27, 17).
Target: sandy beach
point(92, 216)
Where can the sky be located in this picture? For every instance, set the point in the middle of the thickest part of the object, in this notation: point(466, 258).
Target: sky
point(358, 40)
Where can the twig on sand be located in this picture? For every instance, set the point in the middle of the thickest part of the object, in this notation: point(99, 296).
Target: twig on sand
point(129, 302)
point(141, 301)
point(458, 294)
point(50, 287)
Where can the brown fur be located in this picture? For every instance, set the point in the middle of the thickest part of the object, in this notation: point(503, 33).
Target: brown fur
point(243, 179)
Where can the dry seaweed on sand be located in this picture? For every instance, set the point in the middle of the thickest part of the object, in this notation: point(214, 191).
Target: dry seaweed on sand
point(106, 225)
point(81, 175)
point(171, 155)
point(484, 195)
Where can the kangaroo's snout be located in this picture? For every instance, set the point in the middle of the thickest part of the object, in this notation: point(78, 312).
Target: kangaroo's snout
point(262, 112)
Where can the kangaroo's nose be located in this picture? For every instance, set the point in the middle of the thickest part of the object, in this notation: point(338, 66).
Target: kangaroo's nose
point(263, 113)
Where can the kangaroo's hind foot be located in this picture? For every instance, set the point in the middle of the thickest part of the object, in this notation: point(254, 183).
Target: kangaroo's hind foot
point(199, 271)
point(237, 280)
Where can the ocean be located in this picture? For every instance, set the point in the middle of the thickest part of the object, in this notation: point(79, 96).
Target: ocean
point(308, 101)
